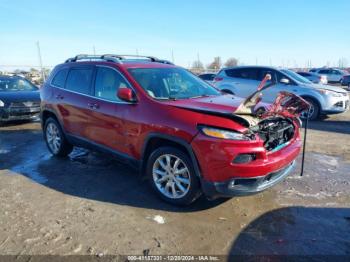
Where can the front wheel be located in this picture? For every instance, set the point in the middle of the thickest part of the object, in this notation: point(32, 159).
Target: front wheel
point(55, 139)
point(172, 176)
point(314, 110)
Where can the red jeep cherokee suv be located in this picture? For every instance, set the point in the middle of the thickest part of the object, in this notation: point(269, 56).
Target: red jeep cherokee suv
point(181, 132)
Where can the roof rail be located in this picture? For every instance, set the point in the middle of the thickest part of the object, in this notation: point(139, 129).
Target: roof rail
point(115, 58)
point(91, 57)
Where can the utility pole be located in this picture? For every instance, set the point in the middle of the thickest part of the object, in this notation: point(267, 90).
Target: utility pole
point(94, 49)
point(40, 61)
point(172, 56)
point(137, 52)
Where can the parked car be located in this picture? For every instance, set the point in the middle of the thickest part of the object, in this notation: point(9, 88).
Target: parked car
point(242, 80)
point(345, 81)
point(314, 78)
point(181, 132)
point(208, 77)
point(19, 99)
point(333, 75)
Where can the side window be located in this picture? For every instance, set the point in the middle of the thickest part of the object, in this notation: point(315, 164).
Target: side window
point(107, 83)
point(263, 72)
point(233, 73)
point(243, 73)
point(324, 71)
point(60, 78)
point(79, 80)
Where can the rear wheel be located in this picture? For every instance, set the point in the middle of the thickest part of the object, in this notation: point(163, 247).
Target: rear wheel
point(55, 139)
point(314, 110)
point(172, 176)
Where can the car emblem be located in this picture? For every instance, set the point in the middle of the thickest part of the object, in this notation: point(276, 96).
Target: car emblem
point(28, 103)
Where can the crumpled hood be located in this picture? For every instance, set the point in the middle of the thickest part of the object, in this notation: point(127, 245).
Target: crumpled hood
point(224, 104)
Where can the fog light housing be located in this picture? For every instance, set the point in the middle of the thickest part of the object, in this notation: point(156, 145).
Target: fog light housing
point(244, 158)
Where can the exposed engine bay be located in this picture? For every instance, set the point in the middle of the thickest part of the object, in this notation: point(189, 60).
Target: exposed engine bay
point(275, 132)
point(275, 124)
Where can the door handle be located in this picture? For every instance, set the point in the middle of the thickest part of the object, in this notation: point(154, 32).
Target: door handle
point(93, 105)
point(59, 96)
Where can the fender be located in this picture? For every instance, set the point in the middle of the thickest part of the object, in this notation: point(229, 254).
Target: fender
point(176, 140)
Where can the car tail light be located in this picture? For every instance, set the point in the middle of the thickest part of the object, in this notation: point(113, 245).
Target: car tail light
point(218, 79)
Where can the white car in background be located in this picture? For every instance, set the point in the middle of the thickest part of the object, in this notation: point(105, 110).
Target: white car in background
point(242, 81)
point(333, 75)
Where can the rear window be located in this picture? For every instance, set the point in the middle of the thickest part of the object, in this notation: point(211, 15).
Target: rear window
point(79, 80)
point(60, 78)
point(303, 74)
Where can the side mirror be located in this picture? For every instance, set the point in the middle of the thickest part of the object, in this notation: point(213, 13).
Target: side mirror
point(285, 81)
point(126, 94)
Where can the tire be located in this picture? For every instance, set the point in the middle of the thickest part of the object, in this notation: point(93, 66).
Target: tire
point(185, 184)
point(55, 139)
point(315, 108)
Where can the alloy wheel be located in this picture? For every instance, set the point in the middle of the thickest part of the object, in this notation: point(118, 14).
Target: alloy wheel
point(53, 137)
point(171, 176)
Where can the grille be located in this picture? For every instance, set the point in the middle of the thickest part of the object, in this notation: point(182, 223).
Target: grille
point(339, 104)
point(24, 104)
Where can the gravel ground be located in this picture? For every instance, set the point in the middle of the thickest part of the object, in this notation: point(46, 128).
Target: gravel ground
point(90, 203)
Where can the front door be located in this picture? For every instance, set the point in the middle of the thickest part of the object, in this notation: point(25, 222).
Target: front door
point(105, 125)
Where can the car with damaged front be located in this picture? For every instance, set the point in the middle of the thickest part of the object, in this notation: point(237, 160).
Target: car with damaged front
point(186, 137)
point(19, 99)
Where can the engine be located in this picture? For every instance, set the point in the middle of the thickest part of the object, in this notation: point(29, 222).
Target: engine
point(275, 132)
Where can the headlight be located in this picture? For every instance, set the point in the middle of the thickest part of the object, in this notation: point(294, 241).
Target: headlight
point(329, 93)
point(2, 104)
point(224, 134)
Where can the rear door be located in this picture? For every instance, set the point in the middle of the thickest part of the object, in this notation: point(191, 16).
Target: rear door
point(106, 121)
point(72, 99)
point(244, 80)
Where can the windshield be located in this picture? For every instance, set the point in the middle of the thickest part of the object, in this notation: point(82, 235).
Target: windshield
point(296, 76)
point(16, 84)
point(172, 83)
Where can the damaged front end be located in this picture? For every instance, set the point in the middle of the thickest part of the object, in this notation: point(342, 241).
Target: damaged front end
point(275, 124)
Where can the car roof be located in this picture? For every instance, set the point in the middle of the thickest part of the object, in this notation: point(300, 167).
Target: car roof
point(251, 66)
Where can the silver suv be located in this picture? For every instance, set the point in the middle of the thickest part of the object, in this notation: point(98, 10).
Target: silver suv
point(244, 80)
point(333, 75)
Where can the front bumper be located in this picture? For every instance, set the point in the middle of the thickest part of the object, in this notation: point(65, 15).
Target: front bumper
point(245, 186)
point(13, 114)
point(335, 105)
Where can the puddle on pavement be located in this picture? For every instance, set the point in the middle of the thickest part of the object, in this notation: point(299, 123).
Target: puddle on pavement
point(29, 169)
point(325, 178)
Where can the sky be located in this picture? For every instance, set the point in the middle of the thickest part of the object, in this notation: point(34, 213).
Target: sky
point(285, 33)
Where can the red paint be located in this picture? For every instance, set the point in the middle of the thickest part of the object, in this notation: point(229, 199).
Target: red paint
point(125, 126)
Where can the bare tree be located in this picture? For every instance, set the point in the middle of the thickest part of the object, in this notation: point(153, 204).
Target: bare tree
point(216, 64)
point(231, 62)
point(197, 65)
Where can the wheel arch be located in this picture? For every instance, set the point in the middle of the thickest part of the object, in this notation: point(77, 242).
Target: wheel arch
point(47, 113)
point(313, 99)
point(156, 140)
